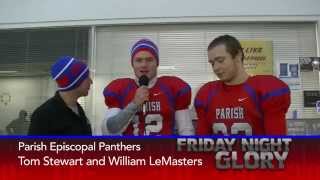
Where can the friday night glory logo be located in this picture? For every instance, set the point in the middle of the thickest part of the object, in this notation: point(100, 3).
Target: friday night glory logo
point(241, 153)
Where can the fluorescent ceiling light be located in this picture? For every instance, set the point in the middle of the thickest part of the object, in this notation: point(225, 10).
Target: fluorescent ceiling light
point(315, 62)
point(8, 72)
point(166, 67)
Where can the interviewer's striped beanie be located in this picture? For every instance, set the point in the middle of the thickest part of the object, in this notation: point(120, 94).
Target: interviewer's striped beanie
point(145, 45)
point(69, 73)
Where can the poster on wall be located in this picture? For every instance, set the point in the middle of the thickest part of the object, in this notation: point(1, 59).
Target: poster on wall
point(308, 64)
point(258, 56)
point(290, 74)
point(318, 106)
point(310, 98)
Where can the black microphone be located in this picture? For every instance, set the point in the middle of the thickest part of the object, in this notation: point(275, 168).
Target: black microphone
point(143, 81)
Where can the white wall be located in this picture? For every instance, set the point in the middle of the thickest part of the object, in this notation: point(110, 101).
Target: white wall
point(27, 11)
point(52, 13)
point(48, 13)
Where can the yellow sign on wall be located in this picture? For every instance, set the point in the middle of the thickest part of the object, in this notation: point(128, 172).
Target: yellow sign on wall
point(258, 56)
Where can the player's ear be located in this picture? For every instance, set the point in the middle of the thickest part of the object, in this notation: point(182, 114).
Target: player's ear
point(238, 57)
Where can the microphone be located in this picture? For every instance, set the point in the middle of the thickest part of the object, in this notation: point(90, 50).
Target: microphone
point(143, 81)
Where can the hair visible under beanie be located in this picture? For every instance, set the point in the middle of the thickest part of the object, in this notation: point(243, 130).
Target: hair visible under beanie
point(145, 45)
point(69, 73)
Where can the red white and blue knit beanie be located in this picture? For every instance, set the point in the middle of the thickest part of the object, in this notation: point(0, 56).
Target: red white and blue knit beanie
point(69, 73)
point(145, 45)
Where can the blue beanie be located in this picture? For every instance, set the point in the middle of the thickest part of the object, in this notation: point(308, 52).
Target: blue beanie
point(69, 73)
point(145, 45)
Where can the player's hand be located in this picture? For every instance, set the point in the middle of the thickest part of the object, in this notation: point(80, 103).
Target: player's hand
point(142, 95)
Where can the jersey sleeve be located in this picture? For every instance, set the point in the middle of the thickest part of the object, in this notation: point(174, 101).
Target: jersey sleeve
point(183, 94)
point(112, 94)
point(200, 104)
point(275, 102)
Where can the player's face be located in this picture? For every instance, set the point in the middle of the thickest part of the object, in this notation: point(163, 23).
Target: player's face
point(144, 63)
point(84, 87)
point(223, 65)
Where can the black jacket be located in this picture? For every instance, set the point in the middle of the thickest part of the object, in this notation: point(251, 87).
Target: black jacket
point(54, 117)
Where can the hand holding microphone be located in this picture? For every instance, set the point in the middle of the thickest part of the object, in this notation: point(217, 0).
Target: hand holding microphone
point(142, 93)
